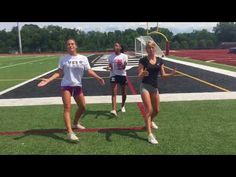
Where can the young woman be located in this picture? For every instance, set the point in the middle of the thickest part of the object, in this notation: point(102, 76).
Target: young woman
point(72, 67)
point(117, 64)
point(149, 68)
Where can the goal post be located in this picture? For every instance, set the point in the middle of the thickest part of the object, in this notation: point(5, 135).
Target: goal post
point(157, 32)
point(140, 46)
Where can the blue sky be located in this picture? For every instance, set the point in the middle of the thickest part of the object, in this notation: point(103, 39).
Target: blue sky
point(175, 27)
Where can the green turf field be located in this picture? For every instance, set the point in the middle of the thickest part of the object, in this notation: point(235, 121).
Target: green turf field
point(17, 69)
point(196, 127)
point(212, 64)
point(14, 70)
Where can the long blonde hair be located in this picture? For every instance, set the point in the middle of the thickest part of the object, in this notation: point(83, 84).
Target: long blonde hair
point(151, 43)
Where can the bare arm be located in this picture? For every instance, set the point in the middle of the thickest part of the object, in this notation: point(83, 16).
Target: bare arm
point(126, 62)
point(109, 67)
point(93, 74)
point(164, 74)
point(142, 72)
point(46, 81)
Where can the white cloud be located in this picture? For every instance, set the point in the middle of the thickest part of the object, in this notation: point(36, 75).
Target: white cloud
point(175, 27)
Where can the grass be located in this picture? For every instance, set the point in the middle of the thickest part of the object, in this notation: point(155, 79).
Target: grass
point(11, 76)
point(36, 65)
point(212, 64)
point(197, 127)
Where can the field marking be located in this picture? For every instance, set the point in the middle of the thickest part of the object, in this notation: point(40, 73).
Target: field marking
point(9, 66)
point(21, 57)
point(96, 59)
point(209, 61)
point(200, 80)
point(89, 55)
point(23, 83)
point(15, 59)
point(84, 78)
point(166, 97)
point(204, 67)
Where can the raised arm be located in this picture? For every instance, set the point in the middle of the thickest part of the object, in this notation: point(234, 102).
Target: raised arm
point(46, 81)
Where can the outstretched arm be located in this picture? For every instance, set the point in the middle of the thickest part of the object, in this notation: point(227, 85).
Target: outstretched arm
point(46, 81)
point(164, 74)
point(93, 74)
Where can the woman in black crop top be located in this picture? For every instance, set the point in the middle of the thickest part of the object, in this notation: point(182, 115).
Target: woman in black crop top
point(148, 71)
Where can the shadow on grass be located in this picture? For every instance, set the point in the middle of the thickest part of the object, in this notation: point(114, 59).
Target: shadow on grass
point(51, 133)
point(99, 113)
point(126, 133)
point(35, 132)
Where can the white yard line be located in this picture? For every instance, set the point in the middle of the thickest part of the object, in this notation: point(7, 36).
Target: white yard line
point(22, 57)
point(130, 99)
point(95, 59)
point(9, 66)
point(23, 83)
point(89, 55)
point(208, 68)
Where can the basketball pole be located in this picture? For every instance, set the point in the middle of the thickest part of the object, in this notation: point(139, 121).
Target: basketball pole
point(19, 38)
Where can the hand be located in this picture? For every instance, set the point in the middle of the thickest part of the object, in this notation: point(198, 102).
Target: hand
point(101, 81)
point(174, 71)
point(43, 82)
point(107, 68)
point(145, 73)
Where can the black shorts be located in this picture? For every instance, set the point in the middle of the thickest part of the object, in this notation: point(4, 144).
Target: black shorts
point(122, 80)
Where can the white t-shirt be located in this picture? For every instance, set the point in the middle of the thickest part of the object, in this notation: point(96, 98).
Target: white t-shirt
point(73, 68)
point(118, 62)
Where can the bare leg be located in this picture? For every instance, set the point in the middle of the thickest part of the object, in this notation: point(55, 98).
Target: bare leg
point(66, 97)
point(80, 100)
point(148, 106)
point(155, 98)
point(124, 93)
point(114, 93)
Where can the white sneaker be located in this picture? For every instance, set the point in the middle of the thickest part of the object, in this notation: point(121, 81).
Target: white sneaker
point(72, 137)
point(154, 125)
point(152, 139)
point(123, 109)
point(79, 126)
point(113, 112)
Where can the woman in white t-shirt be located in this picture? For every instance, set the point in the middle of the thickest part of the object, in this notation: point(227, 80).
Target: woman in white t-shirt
point(117, 64)
point(72, 67)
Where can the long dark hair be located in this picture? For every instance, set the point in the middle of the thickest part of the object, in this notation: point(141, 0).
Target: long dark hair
point(122, 49)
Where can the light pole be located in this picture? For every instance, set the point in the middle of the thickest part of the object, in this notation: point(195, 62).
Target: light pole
point(19, 38)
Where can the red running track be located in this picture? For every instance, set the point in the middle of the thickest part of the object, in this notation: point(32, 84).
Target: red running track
point(219, 55)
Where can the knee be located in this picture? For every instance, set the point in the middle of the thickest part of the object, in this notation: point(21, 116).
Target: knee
point(82, 108)
point(67, 108)
point(156, 111)
point(149, 111)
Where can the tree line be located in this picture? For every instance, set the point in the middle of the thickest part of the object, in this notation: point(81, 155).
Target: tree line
point(52, 38)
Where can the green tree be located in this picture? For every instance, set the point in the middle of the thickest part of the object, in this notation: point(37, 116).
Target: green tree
point(225, 31)
point(202, 44)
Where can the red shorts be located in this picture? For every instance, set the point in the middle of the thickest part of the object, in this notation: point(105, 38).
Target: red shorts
point(74, 90)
